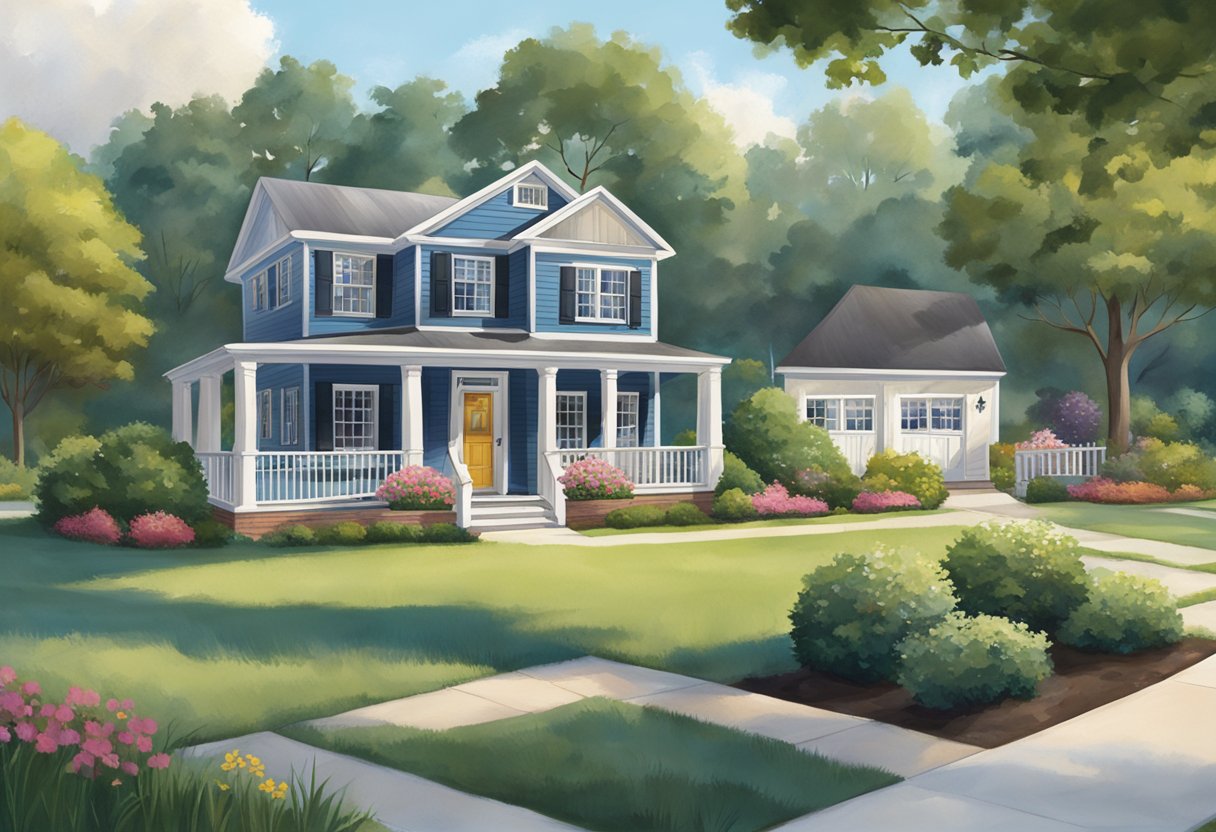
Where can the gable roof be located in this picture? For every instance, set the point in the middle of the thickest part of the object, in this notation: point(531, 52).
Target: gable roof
point(599, 196)
point(874, 328)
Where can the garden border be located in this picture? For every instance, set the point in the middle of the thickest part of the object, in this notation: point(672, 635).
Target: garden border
point(258, 523)
point(590, 514)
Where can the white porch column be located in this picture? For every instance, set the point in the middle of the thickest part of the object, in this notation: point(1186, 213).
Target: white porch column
point(709, 421)
point(183, 412)
point(209, 431)
point(547, 410)
point(411, 413)
point(658, 410)
point(608, 380)
point(245, 435)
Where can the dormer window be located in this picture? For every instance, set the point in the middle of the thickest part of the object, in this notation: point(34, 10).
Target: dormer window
point(531, 196)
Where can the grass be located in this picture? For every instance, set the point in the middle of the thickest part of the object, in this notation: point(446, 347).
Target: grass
point(1149, 521)
point(607, 765)
point(248, 638)
point(829, 520)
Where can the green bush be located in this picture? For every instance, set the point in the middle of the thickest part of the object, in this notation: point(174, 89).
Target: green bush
point(635, 517)
point(11, 491)
point(132, 470)
point(911, 473)
point(1124, 613)
point(387, 532)
point(736, 474)
point(445, 533)
point(852, 612)
point(16, 483)
point(342, 533)
point(1001, 467)
point(1168, 464)
point(734, 506)
point(211, 534)
point(768, 436)
point(1028, 572)
point(1046, 490)
point(290, 536)
point(686, 514)
point(685, 438)
point(964, 660)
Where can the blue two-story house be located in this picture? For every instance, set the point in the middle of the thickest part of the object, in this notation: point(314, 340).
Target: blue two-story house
point(496, 338)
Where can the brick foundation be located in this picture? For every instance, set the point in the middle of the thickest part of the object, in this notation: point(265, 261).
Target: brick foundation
point(590, 514)
point(257, 523)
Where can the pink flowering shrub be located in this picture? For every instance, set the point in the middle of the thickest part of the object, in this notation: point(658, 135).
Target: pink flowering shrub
point(417, 488)
point(776, 501)
point(1041, 440)
point(591, 478)
point(94, 526)
point(873, 502)
point(159, 530)
point(1103, 490)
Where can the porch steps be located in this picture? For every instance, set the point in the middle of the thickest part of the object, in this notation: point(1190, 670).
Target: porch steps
point(502, 512)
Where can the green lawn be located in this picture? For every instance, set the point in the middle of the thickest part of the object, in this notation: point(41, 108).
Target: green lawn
point(247, 638)
point(829, 520)
point(1148, 522)
point(621, 768)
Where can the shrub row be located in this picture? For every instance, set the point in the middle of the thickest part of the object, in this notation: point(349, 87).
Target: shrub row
point(641, 516)
point(156, 530)
point(351, 533)
point(1103, 490)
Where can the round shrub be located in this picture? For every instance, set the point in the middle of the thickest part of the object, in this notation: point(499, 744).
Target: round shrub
point(445, 533)
point(158, 530)
point(852, 612)
point(972, 660)
point(70, 481)
point(911, 473)
point(1174, 464)
point(1124, 613)
point(775, 501)
point(635, 517)
point(1028, 572)
point(290, 536)
point(16, 482)
point(1076, 418)
point(734, 506)
point(686, 514)
point(1001, 467)
point(94, 526)
point(386, 531)
point(12, 491)
point(874, 502)
point(838, 489)
point(736, 474)
point(417, 488)
point(211, 534)
point(592, 478)
point(343, 533)
point(1046, 490)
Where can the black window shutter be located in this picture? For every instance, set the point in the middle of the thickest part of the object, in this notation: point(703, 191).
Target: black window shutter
point(323, 284)
point(272, 287)
point(567, 303)
point(323, 415)
point(441, 284)
point(384, 285)
point(635, 300)
point(502, 286)
point(386, 417)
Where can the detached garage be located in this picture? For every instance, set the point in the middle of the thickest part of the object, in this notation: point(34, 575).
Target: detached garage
point(905, 369)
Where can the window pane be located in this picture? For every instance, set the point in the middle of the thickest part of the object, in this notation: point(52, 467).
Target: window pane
point(570, 419)
point(948, 414)
point(914, 414)
point(612, 294)
point(354, 419)
point(284, 284)
point(627, 428)
point(859, 414)
point(354, 283)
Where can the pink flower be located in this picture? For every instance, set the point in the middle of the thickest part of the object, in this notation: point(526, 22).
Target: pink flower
point(7, 675)
point(12, 702)
point(26, 731)
point(47, 710)
point(83, 760)
point(109, 760)
point(94, 526)
point(94, 729)
point(31, 689)
point(97, 746)
point(64, 714)
point(158, 761)
point(144, 744)
point(129, 767)
point(69, 737)
point(111, 705)
point(159, 530)
point(45, 744)
point(126, 737)
point(5, 736)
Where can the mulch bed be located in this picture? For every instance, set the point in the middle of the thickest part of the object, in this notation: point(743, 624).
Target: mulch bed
point(1081, 682)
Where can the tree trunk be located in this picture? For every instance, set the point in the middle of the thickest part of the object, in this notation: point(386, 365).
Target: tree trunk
point(18, 433)
point(1118, 386)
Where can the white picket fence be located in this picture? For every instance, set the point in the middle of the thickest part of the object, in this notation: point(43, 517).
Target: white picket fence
point(1081, 461)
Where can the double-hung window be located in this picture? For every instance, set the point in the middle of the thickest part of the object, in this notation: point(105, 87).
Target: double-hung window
point(355, 409)
point(472, 285)
point(628, 429)
point(823, 413)
point(257, 292)
point(283, 284)
point(289, 414)
point(931, 414)
point(265, 415)
point(946, 414)
point(354, 284)
point(571, 420)
point(532, 196)
point(602, 294)
point(841, 414)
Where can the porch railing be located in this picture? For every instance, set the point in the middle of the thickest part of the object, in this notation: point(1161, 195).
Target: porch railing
point(463, 484)
point(650, 468)
point(1077, 461)
point(302, 476)
point(220, 473)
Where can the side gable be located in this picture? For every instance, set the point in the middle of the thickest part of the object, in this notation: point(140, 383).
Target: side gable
point(261, 227)
point(599, 218)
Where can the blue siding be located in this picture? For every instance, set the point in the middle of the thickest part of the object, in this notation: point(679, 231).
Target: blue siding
point(523, 389)
point(586, 381)
point(436, 411)
point(356, 374)
point(403, 297)
point(640, 383)
point(548, 291)
point(276, 377)
point(286, 322)
point(518, 277)
point(497, 218)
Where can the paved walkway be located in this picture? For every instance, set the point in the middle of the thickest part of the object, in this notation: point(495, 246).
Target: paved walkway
point(15, 509)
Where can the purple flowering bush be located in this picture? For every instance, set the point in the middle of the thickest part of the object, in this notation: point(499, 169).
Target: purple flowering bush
point(776, 501)
point(1076, 418)
point(591, 478)
point(874, 502)
point(417, 488)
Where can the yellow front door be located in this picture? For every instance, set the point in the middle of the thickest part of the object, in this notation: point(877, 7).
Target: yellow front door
point(479, 438)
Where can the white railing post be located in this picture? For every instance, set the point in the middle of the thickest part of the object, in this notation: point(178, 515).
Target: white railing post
point(411, 414)
point(549, 461)
point(245, 436)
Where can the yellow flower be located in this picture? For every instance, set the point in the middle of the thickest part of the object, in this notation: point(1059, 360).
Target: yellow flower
point(121, 714)
point(227, 766)
point(280, 793)
point(222, 785)
point(267, 785)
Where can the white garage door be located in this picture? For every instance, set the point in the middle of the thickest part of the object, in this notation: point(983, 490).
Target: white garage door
point(933, 427)
point(850, 422)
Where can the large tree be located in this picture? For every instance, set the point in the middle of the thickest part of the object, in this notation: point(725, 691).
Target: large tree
point(69, 316)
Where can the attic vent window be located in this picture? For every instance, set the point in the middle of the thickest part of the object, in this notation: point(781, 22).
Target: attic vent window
point(532, 196)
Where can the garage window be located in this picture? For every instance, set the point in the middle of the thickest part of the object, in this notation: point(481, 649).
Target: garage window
point(931, 414)
point(947, 414)
point(839, 414)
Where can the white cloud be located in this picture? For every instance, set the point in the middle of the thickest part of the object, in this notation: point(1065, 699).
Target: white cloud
point(71, 66)
point(474, 66)
point(746, 103)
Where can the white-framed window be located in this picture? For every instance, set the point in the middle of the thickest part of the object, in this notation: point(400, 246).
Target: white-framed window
point(355, 410)
point(289, 416)
point(531, 196)
point(823, 413)
point(354, 285)
point(257, 292)
point(602, 294)
point(628, 427)
point(859, 415)
point(841, 414)
point(944, 414)
point(472, 285)
point(283, 284)
point(265, 414)
point(571, 420)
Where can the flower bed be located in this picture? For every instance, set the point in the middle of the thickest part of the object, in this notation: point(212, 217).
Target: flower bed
point(591, 514)
point(873, 502)
point(417, 488)
point(776, 501)
point(94, 526)
point(591, 478)
point(1103, 490)
point(158, 530)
